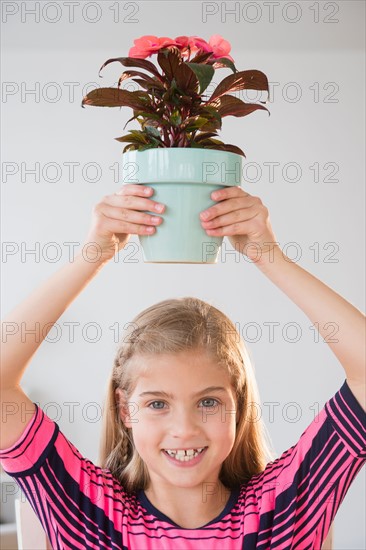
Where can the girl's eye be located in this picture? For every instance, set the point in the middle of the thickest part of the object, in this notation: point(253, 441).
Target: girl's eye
point(209, 402)
point(159, 405)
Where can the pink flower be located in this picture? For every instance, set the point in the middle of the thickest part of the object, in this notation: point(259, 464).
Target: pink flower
point(220, 47)
point(183, 41)
point(216, 44)
point(201, 44)
point(149, 44)
point(194, 43)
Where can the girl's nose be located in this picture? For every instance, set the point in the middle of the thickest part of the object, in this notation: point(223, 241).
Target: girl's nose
point(184, 425)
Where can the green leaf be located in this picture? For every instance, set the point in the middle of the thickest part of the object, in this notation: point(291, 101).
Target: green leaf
point(204, 73)
point(146, 118)
point(194, 123)
point(223, 62)
point(152, 116)
point(243, 80)
point(210, 112)
point(149, 146)
point(175, 118)
point(156, 142)
point(153, 131)
point(134, 136)
point(212, 126)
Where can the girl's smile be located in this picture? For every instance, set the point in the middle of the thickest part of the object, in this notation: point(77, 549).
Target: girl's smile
point(185, 458)
point(181, 422)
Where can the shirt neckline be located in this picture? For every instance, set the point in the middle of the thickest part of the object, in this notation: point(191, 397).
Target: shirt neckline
point(159, 515)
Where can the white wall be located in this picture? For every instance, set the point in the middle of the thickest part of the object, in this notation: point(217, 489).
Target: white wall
point(316, 70)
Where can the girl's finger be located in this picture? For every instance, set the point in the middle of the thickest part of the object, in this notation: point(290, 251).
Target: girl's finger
point(229, 205)
point(238, 228)
point(232, 216)
point(229, 193)
point(133, 202)
point(127, 215)
point(120, 227)
point(135, 189)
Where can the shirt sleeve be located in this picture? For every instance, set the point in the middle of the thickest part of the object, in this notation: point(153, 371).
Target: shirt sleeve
point(299, 493)
point(79, 504)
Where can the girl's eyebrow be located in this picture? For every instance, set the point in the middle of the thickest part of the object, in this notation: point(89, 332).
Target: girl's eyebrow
point(171, 396)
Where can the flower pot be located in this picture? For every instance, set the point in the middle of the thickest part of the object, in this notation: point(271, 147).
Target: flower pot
point(183, 180)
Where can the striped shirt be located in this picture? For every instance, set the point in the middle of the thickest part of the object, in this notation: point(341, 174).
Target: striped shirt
point(291, 504)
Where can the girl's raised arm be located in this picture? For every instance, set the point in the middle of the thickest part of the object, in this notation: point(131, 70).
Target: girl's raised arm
point(322, 305)
point(114, 219)
point(245, 220)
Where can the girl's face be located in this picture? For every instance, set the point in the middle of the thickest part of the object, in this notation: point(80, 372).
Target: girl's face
point(183, 417)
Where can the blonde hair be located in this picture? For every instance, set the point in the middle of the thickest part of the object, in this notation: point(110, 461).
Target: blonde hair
point(174, 326)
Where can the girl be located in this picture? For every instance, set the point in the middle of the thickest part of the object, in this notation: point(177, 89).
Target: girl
point(184, 461)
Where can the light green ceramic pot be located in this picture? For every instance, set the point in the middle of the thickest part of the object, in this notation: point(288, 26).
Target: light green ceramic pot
point(183, 179)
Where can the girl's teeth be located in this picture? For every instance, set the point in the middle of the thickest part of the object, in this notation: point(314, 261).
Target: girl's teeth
point(184, 456)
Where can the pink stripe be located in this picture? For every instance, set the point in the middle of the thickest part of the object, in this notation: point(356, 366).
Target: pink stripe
point(40, 429)
point(75, 465)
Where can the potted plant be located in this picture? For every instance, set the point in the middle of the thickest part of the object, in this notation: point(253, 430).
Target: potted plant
point(176, 150)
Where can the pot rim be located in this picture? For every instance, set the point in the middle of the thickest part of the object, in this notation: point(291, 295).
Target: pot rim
point(182, 165)
point(202, 150)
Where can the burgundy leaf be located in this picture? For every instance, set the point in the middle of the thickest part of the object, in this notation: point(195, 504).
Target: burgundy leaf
point(113, 97)
point(230, 105)
point(128, 74)
point(225, 147)
point(186, 80)
point(134, 62)
point(149, 84)
point(169, 62)
point(201, 58)
point(232, 149)
point(204, 135)
point(242, 80)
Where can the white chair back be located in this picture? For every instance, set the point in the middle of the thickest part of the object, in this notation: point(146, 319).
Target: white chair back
point(30, 532)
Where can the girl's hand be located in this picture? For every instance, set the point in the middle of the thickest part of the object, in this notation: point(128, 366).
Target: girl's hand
point(241, 217)
point(118, 216)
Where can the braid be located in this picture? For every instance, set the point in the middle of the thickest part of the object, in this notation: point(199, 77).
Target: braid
point(124, 448)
